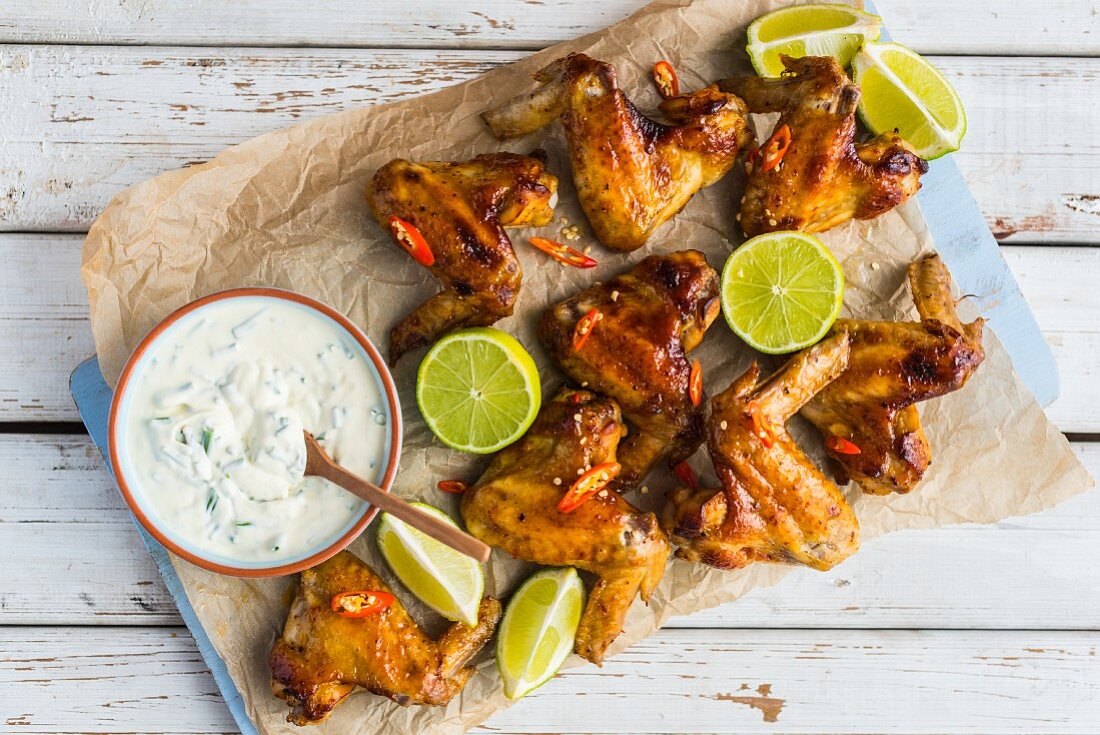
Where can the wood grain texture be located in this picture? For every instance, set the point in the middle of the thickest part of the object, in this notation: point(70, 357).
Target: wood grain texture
point(151, 680)
point(85, 122)
point(44, 330)
point(73, 557)
point(1066, 27)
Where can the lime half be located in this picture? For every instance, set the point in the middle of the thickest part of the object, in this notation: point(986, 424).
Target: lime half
point(809, 30)
point(538, 629)
point(478, 390)
point(902, 91)
point(781, 291)
point(445, 580)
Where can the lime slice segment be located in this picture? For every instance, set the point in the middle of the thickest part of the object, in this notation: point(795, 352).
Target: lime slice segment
point(781, 291)
point(538, 629)
point(445, 580)
point(809, 30)
point(902, 91)
point(478, 390)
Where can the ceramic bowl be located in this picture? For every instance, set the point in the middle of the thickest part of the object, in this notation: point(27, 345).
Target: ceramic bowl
point(130, 484)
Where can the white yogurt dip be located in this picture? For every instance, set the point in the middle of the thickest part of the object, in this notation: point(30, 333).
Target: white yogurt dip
point(214, 428)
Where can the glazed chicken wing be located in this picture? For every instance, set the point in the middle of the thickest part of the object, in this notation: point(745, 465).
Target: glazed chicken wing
point(825, 178)
point(461, 209)
point(652, 317)
point(774, 505)
point(893, 365)
point(632, 173)
point(322, 656)
point(514, 506)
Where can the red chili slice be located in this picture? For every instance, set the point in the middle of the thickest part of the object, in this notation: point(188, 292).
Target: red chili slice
point(584, 328)
point(776, 147)
point(840, 445)
point(686, 474)
point(361, 603)
point(666, 79)
point(411, 239)
point(695, 383)
point(760, 425)
point(587, 485)
point(563, 253)
point(454, 487)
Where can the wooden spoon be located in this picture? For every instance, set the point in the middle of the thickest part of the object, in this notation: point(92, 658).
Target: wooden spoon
point(319, 464)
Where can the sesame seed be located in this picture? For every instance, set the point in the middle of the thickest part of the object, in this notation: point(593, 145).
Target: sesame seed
point(602, 494)
point(577, 417)
point(738, 217)
point(584, 384)
point(588, 250)
point(584, 440)
point(874, 266)
point(614, 295)
point(772, 222)
point(645, 489)
point(742, 200)
point(580, 471)
point(725, 425)
point(557, 480)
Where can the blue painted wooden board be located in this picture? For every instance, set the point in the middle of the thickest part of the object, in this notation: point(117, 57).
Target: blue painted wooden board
point(960, 235)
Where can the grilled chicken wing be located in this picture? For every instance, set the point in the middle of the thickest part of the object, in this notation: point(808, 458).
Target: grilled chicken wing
point(637, 353)
point(774, 505)
point(462, 209)
point(514, 506)
point(892, 366)
point(322, 656)
point(825, 179)
point(632, 173)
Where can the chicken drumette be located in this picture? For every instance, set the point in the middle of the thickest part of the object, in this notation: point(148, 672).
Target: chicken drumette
point(774, 505)
point(514, 506)
point(322, 656)
point(825, 178)
point(868, 415)
point(650, 319)
point(461, 210)
point(632, 173)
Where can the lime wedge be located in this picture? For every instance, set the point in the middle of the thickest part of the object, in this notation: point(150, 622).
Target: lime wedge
point(809, 30)
point(445, 580)
point(781, 291)
point(478, 390)
point(538, 628)
point(902, 91)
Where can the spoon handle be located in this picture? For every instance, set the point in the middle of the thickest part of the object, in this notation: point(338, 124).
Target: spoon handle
point(438, 529)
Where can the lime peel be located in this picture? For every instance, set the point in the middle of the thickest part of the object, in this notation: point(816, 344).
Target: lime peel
point(803, 285)
point(561, 615)
point(436, 568)
point(478, 390)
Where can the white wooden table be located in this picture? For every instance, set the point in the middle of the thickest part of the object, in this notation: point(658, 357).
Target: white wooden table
point(958, 630)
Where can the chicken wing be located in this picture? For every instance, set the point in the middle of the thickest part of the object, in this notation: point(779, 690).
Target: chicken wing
point(322, 656)
point(893, 365)
point(774, 505)
point(825, 178)
point(514, 506)
point(637, 353)
point(461, 209)
point(632, 173)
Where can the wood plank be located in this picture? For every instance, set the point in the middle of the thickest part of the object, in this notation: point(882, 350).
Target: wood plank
point(44, 330)
point(988, 27)
point(74, 557)
point(152, 680)
point(93, 120)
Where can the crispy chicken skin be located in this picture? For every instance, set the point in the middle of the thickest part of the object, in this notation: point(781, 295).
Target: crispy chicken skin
point(774, 505)
point(514, 507)
point(892, 366)
point(825, 178)
point(632, 173)
point(321, 656)
point(462, 210)
point(637, 354)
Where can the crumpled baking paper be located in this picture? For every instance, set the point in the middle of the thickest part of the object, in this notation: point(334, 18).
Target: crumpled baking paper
point(287, 210)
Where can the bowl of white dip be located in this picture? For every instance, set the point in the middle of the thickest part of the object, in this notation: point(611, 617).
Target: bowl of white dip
point(206, 430)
